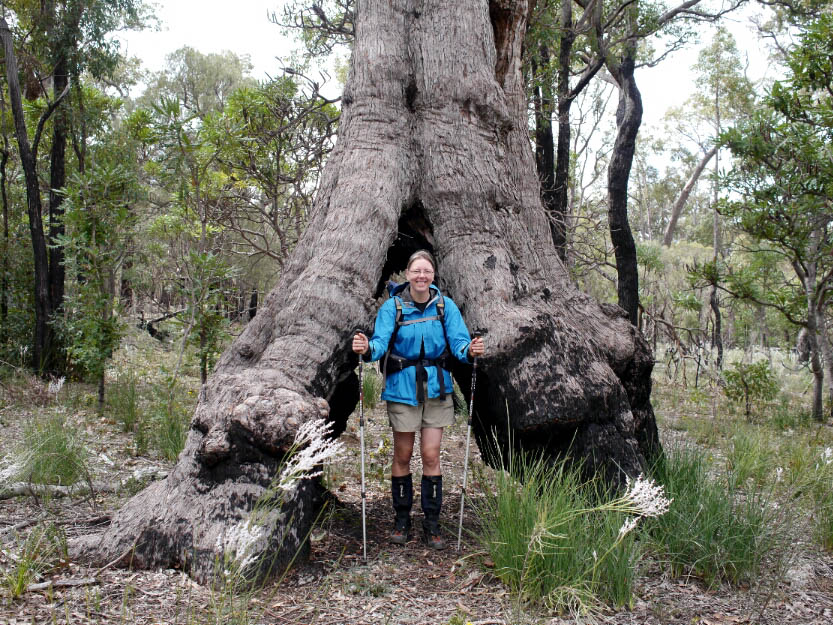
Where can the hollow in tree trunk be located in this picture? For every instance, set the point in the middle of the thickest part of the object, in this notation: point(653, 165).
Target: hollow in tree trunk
point(432, 152)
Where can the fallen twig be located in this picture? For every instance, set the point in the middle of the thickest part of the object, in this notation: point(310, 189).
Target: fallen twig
point(26, 488)
point(62, 583)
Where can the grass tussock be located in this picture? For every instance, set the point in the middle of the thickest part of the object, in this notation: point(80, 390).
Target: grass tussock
point(52, 452)
point(557, 540)
point(720, 528)
point(42, 551)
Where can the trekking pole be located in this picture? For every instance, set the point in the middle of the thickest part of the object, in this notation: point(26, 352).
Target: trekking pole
point(468, 440)
point(361, 443)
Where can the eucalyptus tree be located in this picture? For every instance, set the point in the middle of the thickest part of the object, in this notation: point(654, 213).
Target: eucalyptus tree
point(273, 140)
point(783, 175)
point(432, 151)
point(60, 41)
point(591, 35)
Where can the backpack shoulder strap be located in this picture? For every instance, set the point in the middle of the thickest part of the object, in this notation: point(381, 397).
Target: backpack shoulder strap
point(397, 301)
point(441, 315)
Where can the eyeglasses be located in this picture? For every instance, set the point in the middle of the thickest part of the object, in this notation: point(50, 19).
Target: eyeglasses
point(421, 272)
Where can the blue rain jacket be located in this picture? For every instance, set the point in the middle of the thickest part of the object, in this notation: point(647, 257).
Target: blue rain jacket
point(401, 385)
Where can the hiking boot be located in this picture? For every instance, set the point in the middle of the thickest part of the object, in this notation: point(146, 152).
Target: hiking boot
point(432, 500)
point(402, 492)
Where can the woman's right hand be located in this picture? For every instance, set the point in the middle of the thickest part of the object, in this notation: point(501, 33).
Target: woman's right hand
point(360, 343)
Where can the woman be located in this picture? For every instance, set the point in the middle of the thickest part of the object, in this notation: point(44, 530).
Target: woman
point(426, 329)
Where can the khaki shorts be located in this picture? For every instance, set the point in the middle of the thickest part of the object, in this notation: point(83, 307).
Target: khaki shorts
point(434, 413)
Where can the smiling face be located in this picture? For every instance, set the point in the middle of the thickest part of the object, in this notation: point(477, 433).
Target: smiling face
point(420, 274)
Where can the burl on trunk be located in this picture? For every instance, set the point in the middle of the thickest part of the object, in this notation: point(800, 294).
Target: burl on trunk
point(432, 152)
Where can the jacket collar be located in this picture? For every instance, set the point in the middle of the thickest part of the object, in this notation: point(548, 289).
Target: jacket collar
point(404, 292)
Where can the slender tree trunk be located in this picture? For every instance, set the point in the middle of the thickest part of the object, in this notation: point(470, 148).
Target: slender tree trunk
point(815, 362)
point(57, 180)
point(4, 269)
point(559, 208)
point(628, 120)
point(28, 160)
point(679, 203)
point(545, 157)
point(433, 150)
point(826, 352)
point(714, 301)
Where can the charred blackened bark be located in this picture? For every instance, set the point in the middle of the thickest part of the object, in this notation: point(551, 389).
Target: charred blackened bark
point(432, 151)
point(57, 180)
point(628, 120)
point(545, 158)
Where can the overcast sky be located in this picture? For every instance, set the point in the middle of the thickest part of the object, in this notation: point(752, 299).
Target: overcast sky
point(243, 27)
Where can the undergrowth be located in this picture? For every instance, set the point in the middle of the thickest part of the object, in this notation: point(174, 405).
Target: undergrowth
point(718, 528)
point(557, 540)
point(52, 451)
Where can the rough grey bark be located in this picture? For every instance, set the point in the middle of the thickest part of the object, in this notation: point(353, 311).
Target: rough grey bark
point(432, 151)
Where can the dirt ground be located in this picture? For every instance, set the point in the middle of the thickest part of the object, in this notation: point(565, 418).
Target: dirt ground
point(396, 585)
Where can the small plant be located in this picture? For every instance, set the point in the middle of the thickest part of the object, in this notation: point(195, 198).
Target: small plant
point(789, 415)
point(171, 429)
point(715, 530)
point(124, 400)
point(43, 550)
point(553, 543)
point(756, 383)
point(749, 456)
point(371, 387)
point(822, 496)
point(52, 452)
point(170, 417)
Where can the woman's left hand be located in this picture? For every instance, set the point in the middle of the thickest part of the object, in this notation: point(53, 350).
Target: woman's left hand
point(476, 347)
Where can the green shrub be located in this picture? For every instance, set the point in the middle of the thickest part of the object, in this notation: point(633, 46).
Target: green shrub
point(749, 457)
point(170, 419)
point(124, 401)
point(822, 495)
point(714, 530)
point(42, 551)
point(52, 452)
point(371, 387)
point(754, 383)
point(551, 540)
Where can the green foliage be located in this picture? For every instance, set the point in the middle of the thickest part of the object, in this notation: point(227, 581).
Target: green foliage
point(714, 529)
point(749, 457)
point(98, 222)
point(170, 418)
point(781, 181)
point(52, 452)
point(552, 542)
point(821, 493)
point(371, 388)
point(204, 322)
point(124, 399)
point(752, 383)
point(43, 550)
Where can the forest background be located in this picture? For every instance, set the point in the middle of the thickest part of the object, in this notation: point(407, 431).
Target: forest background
point(168, 201)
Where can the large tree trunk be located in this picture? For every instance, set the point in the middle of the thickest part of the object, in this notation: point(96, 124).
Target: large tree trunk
point(432, 151)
